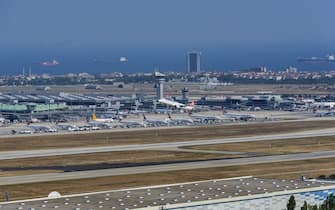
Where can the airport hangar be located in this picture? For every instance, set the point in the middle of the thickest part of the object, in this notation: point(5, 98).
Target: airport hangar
point(240, 193)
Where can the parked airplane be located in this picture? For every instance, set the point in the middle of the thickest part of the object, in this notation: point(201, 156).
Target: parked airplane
point(41, 128)
point(206, 118)
point(324, 105)
point(326, 114)
point(104, 120)
point(154, 122)
point(131, 124)
point(179, 121)
point(137, 112)
point(105, 125)
point(163, 111)
point(68, 127)
point(33, 120)
point(244, 117)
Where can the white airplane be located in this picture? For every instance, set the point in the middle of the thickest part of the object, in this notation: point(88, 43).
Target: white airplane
point(325, 114)
point(324, 104)
point(206, 118)
point(42, 128)
point(177, 104)
point(68, 127)
point(131, 124)
point(33, 120)
point(179, 121)
point(171, 103)
point(100, 124)
point(137, 112)
point(244, 117)
point(155, 122)
point(103, 120)
point(190, 107)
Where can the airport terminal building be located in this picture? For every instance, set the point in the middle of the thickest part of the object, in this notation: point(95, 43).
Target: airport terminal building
point(241, 193)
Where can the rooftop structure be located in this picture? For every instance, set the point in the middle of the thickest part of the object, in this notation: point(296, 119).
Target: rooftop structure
point(210, 194)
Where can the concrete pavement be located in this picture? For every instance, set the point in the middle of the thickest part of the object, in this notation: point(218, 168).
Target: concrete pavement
point(162, 168)
point(160, 146)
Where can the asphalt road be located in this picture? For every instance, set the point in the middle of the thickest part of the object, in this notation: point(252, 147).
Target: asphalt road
point(158, 146)
point(162, 168)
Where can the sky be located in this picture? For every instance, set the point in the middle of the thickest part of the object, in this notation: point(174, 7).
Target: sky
point(74, 24)
point(91, 35)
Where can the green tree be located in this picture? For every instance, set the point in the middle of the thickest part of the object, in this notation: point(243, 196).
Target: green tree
point(305, 206)
point(329, 203)
point(315, 207)
point(291, 203)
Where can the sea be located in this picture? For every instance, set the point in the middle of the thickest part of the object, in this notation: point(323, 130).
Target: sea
point(96, 61)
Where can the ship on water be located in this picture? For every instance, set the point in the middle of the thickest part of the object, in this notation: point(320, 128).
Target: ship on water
point(327, 58)
point(50, 63)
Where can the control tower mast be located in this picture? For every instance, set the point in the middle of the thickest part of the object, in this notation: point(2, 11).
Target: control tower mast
point(160, 78)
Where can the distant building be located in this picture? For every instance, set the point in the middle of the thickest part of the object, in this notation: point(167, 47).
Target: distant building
point(292, 69)
point(193, 62)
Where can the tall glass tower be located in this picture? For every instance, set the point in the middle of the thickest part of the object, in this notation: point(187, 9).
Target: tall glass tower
point(193, 61)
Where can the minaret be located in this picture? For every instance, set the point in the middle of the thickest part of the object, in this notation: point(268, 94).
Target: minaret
point(29, 71)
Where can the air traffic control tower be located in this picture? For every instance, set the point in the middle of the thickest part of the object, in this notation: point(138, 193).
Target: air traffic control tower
point(160, 78)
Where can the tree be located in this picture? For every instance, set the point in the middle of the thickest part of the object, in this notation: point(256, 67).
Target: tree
point(305, 206)
point(329, 203)
point(315, 207)
point(291, 203)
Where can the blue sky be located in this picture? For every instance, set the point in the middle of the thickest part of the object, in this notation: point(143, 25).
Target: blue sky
point(169, 23)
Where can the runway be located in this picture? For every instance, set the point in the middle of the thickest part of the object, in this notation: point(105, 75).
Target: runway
point(162, 168)
point(158, 146)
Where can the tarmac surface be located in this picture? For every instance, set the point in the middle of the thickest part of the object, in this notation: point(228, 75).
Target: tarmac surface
point(159, 146)
point(162, 168)
point(124, 170)
point(166, 195)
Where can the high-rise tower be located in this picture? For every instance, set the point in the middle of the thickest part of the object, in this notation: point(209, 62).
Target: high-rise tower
point(193, 62)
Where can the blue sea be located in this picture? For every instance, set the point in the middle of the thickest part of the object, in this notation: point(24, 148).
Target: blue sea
point(106, 60)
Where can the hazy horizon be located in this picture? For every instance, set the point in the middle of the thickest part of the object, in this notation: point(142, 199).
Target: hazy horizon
point(231, 34)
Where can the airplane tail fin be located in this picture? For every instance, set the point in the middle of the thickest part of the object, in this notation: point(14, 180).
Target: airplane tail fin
point(94, 117)
point(193, 103)
point(144, 117)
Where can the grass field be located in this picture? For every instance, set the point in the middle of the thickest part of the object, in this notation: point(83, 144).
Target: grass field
point(155, 136)
point(287, 146)
point(283, 170)
point(142, 157)
point(271, 170)
point(126, 157)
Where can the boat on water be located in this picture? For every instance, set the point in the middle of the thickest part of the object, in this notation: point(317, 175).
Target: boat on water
point(50, 63)
point(328, 58)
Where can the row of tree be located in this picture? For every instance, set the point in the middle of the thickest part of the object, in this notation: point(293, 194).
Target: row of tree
point(328, 204)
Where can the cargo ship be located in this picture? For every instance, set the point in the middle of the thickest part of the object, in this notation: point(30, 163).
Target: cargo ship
point(50, 63)
point(328, 58)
